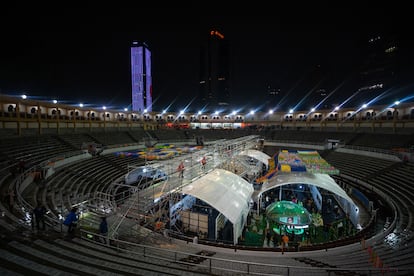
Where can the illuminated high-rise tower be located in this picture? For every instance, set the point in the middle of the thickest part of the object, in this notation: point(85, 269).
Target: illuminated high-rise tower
point(141, 77)
point(215, 71)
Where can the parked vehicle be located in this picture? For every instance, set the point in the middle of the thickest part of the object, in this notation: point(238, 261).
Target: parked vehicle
point(145, 173)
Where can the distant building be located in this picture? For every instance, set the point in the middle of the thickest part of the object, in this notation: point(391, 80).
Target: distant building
point(272, 97)
point(378, 65)
point(385, 67)
point(215, 71)
point(141, 77)
point(378, 70)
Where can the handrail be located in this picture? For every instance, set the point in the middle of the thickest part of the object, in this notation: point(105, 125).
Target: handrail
point(213, 263)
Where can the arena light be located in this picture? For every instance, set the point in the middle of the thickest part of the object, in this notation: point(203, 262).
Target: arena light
point(24, 97)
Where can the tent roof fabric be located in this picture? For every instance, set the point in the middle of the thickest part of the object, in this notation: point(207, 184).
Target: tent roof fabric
point(320, 180)
point(223, 190)
point(259, 155)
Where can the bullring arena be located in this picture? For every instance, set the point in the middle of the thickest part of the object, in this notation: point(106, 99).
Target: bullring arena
point(214, 219)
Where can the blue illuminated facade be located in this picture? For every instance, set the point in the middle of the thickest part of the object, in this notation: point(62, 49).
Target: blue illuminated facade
point(141, 78)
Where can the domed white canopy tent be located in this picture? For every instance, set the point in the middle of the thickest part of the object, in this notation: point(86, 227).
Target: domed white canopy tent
point(320, 180)
point(227, 193)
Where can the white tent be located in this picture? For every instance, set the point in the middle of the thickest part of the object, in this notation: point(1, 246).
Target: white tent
point(259, 155)
point(320, 180)
point(227, 193)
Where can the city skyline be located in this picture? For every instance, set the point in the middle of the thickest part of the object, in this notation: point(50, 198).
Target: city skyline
point(84, 56)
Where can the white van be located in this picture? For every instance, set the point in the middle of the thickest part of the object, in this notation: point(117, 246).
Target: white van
point(145, 173)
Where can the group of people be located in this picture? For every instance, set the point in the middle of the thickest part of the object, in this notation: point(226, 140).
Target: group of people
point(71, 220)
point(180, 168)
point(272, 235)
point(38, 218)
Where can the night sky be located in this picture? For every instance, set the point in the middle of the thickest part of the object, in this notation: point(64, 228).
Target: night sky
point(82, 54)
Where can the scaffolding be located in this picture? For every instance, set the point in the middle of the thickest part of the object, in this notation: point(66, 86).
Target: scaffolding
point(148, 205)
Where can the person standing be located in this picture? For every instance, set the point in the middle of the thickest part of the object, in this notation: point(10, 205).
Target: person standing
point(285, 242)
point(11, 197)
point(180, 170)
point(269, 236)
point(166, 235)
point(71, 220)
point(103, 229)
point(39, 216)
point(203, 163)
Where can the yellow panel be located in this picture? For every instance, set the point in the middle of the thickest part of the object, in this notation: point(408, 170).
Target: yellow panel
point(285, 168)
